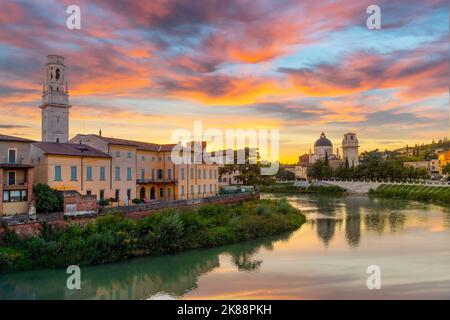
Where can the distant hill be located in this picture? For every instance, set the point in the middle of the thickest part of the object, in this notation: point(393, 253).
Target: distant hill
point(424, 151)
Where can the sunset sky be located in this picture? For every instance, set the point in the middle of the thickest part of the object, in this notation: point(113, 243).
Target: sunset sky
point(140, 69)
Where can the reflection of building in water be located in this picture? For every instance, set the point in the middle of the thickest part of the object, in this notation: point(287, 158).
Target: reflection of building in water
point(145, 285)
point(353, 229)
point(353, 210)
point(325, 229)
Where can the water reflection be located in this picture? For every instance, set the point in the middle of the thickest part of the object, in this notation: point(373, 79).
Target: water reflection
point(326, 259)
point(172, 276)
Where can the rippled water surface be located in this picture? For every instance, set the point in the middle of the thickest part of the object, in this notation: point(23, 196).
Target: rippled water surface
point(326, 258)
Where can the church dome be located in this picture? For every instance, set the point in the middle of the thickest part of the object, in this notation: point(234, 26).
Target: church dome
point(323, 141)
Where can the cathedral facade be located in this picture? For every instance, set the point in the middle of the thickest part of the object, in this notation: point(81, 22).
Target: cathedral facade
point(323, 148)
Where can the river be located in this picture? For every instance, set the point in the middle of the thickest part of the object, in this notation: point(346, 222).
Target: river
point(327, 258)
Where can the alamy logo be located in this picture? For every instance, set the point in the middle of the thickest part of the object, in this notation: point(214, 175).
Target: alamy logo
point(234, 139)
point(374, 20)
point(374, 280)
point(74, 280)
point(74, 20)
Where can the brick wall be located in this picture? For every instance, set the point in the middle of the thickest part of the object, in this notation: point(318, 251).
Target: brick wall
point(74, 202)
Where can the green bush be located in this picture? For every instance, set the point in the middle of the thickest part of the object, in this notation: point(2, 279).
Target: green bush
point(47, 199)
point(103, 203)
point(136, 201)
point(438, 194)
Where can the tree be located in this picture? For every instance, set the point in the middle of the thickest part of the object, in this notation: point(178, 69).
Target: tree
point(285, 175)
point(446, 169)
point(47, 199)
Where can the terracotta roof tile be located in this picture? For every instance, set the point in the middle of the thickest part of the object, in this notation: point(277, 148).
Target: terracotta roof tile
point(4, 137)
point(70, 149)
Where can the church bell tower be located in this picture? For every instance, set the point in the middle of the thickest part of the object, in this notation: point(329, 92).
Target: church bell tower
point(55, 102)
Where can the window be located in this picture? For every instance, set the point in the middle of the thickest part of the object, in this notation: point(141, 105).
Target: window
point(182, 190)
point(169, 174)
point(215, 174)
point(143, 158)
point(204, 188)
point(89, 192)
point(192, 173)
point(198, 190)
point(73, 173)
point(153, 174)
point(117, 154)
point(199, 174)
point(210, 173)
point(14, 195)
point(128, 194)
point(102, 174)
point(117, 173)
point(215, 188)
point(11, 178)
point(160, 158)
point(160, 174)
point(58, 173)
point(129, 177)
point(192, 190)
point(169, 191)
point(204, 173)
point(168, 158)
point(161, 192)
point(89, 173)
point(182, 173)
point(129, 155)
point(142, 174)
point(210, 188)
point(12, 155)
point(102, 194)
point(117, 194)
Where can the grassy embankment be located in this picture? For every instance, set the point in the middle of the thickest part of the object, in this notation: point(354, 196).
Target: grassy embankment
point(113, 238)
point(289, 188)
point(437, 194)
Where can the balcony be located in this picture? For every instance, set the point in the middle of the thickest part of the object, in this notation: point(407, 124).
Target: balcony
point(156, 181)
point(20, 184)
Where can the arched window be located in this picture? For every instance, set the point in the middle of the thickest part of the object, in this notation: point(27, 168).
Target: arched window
point(142, 193)
point(58, 74)
point(152, 193)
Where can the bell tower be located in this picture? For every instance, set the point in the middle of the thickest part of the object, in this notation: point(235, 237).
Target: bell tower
point(55, 102)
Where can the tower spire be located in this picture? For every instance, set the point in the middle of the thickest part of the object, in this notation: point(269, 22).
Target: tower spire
point(55, 102)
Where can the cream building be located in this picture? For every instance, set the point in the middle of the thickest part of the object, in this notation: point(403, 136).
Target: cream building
point(65, 166)
point(154, 175)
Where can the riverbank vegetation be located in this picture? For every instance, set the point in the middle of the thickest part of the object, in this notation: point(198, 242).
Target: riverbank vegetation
point(438, 194)
point(291, 188)
point(113, 238)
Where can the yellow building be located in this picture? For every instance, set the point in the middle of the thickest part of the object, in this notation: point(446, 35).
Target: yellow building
point(16, 175)
point(79, 167)
point(444, 159)
point(153, 174)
